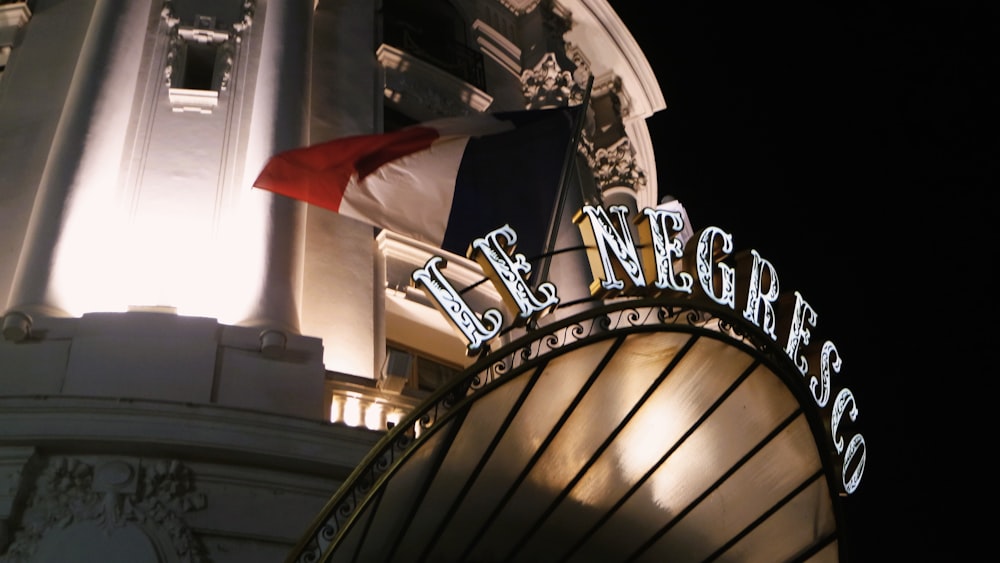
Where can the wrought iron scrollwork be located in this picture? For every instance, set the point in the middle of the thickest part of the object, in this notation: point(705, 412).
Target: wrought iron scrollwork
point(535, 347)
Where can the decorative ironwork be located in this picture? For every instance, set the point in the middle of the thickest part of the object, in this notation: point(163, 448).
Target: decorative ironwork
point(463, 62)
point(427, 93)
point(624, 315)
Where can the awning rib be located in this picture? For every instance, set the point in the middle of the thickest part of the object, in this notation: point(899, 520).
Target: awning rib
point(467, 486)
point(640, 482)
point(604, 446)
point(548, 440)
point(718, 483)
point(637, 431)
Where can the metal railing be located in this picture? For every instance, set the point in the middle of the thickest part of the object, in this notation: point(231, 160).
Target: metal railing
point(462, 62)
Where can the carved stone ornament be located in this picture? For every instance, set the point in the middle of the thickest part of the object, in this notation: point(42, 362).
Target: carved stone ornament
point(614, 166)
point(227, 41)
point(548, 85)
point(427, 95)
point(112, 495)
point(582, 73)
point(519, 7)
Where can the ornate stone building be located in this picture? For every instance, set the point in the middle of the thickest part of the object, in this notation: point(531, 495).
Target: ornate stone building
point(189, 367)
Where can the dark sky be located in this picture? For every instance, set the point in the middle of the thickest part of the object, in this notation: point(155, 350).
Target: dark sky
point(843, 141)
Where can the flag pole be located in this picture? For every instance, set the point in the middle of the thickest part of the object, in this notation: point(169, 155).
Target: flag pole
point(569, 165)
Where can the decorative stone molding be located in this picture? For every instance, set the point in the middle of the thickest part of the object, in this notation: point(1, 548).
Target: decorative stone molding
point(582, 71)
point(13, 15)
point(112, 494)
point(548, 85)
point(227, 41)
point(16, 467)
point(614, 166)
point(498, 47)
point(612, 86)
point(425, 91)
point(519, 7)
point(195, 101)
point(169, 17)
point(167, 14)
point(245, 23)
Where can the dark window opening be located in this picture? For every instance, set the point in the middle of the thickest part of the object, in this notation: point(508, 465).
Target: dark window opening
point(425, 373)
point(432, 375)
point(199, 66)
point(434, 32)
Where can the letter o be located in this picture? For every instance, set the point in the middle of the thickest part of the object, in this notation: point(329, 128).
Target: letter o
point(852, 480)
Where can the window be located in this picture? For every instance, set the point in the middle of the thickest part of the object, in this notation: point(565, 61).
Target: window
point(434, 32)
point(197, 64)
point(420, 372)
point(198, 67)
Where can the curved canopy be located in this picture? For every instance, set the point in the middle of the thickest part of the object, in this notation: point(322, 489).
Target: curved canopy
point(635, 432)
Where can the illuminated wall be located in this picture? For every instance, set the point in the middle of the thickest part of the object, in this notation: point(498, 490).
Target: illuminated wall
point(166, 324)
point(143, 201)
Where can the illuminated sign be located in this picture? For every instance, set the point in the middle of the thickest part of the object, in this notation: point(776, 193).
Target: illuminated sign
point(661, 265)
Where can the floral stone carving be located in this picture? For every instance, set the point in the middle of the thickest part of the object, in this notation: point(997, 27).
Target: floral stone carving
point(152, 496)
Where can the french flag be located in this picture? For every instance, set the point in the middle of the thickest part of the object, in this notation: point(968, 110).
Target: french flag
point(445, 182)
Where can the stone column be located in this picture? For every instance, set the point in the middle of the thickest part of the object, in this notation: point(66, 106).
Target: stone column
point(87, 147)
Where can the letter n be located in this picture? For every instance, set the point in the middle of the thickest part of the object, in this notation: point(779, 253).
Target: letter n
point(603, 240)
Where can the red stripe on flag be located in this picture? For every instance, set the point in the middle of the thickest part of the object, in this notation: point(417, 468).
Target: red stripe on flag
point(320, 174)
point(401, 143)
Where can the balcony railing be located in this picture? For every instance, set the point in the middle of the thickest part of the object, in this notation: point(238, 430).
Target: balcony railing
point(460, 61)
point(358, 402)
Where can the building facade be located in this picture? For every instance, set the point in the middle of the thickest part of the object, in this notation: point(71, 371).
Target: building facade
point(191, 368)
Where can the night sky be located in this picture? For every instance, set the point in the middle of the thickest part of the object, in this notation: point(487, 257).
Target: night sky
point(844, 142)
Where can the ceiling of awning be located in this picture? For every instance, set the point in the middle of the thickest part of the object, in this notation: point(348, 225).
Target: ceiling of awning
point(655, 445)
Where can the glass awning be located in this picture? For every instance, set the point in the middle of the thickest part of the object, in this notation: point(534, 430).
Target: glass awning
point(632, 435)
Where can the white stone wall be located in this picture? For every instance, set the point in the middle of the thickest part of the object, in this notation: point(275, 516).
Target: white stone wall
point(137, 481)
point(164, 314)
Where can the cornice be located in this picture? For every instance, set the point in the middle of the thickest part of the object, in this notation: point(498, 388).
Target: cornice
point(165, 428)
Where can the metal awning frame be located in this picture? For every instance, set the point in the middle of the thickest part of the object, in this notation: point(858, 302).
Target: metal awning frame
point(532, 351)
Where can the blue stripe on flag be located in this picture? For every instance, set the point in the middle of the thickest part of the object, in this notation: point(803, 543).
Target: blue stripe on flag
point(511, 178)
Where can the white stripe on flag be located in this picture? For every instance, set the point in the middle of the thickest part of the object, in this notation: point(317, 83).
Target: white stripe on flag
point(412, 194)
